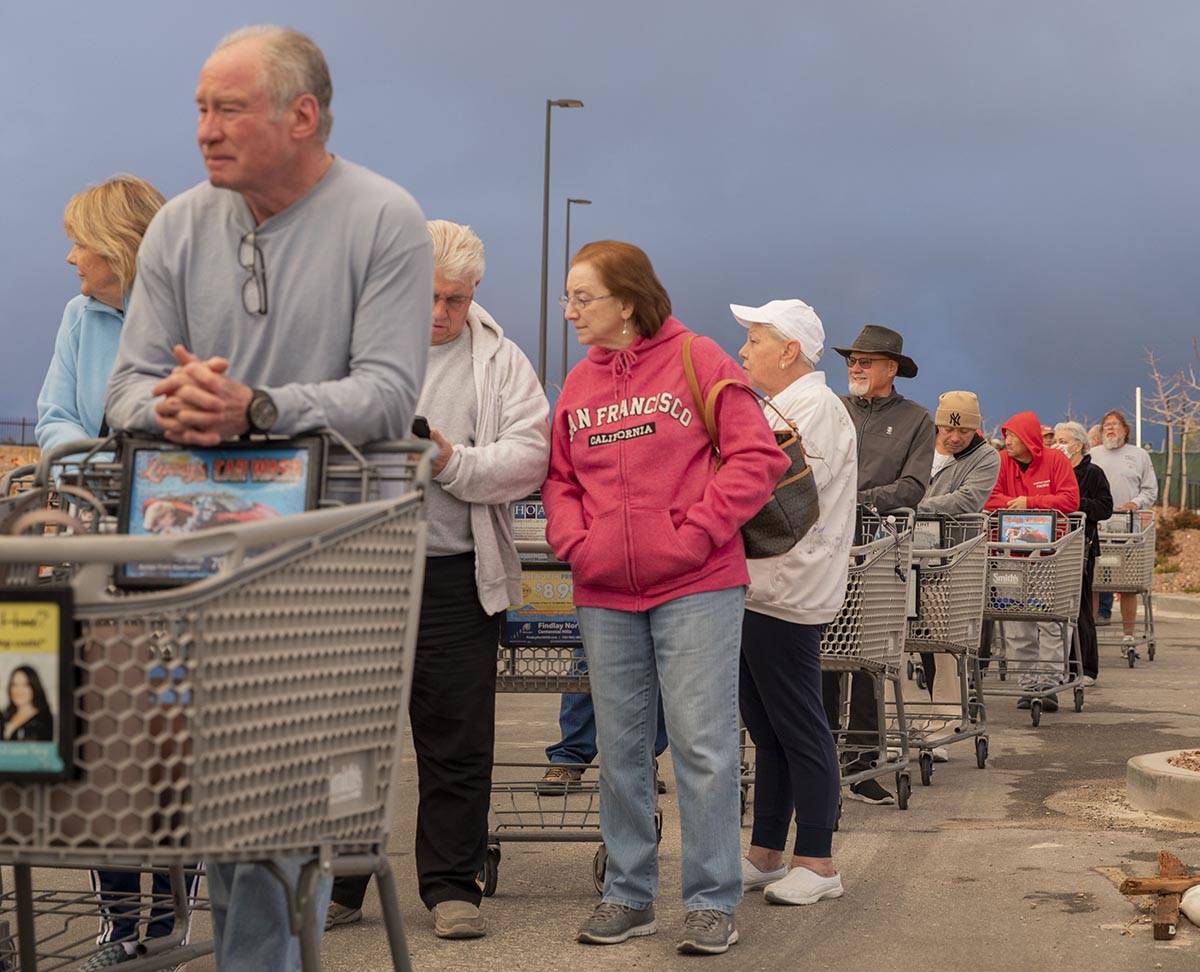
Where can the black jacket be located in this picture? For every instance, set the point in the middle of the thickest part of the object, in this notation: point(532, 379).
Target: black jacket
point(895, 450)
point(38, 729)
point(1095, 499)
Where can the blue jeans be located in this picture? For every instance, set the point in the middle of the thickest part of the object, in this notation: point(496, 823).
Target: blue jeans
point(577, 723)
point(690, 648)
point(251, 931)
point(1106, 603)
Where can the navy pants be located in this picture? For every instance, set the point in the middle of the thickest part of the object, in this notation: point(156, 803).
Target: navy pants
point(577, 724)
point(795, 763)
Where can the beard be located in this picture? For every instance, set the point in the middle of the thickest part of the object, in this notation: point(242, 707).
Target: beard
point(858, 388)
point(1113, 441)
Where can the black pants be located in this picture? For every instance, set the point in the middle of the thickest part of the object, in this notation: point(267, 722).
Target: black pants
point(864, 719)
point(1089, 648)
point(453, 716)
point(796, 765)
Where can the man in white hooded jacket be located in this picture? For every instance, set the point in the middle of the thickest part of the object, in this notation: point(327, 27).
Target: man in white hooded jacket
point(489, 418)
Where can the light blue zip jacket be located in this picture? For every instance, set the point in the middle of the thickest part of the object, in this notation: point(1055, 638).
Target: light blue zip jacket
point(71, 402)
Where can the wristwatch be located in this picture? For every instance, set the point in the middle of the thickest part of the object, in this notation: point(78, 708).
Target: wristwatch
point(261, 413)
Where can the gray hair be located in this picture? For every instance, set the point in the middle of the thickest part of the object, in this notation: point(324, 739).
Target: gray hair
point(457, 251)
point(782, 338)
point(292, 65)
point(1077, 432)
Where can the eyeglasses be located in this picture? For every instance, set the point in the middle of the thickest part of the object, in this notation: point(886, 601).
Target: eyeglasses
point(254, 288)
point(853, 361)
point(457, 302)
point(581, 303)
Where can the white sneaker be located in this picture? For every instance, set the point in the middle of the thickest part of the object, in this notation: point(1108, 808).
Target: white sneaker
point(803, 887)
point(940, 754)
point(1088, 681)
point(753, 878)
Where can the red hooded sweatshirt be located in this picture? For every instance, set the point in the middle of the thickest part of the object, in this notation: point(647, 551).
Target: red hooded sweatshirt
point(632, 500)
point(1048, 482)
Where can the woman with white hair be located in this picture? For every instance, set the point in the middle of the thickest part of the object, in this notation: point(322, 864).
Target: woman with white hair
point(1095, 500)
point(791, 599)
point(488, 416)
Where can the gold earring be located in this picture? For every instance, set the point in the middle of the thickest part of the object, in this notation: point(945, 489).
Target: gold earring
point(782, 366)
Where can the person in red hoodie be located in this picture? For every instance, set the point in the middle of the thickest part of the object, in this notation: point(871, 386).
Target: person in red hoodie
point(651, 528)
point(1033, 477)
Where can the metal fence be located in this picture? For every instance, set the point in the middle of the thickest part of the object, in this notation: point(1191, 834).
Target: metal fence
point(18, 431)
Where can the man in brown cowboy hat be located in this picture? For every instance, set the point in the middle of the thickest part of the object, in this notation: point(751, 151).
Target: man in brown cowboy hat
point(895, 454)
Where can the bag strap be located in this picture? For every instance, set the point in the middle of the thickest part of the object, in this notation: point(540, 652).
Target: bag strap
point(707, 407)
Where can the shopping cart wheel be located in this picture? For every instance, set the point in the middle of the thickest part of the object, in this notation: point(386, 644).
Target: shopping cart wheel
point(489, 874)
point(1150, 651)
point(1131, 657)
point(658, 820)
point(903, 790)
point(1078, 698)
point(8, 950)
point(911, 669)
point(926, 762)
point(921, 684)
point(981, 751)
point(599, 866)
point(744, 799)
point(1035, 712)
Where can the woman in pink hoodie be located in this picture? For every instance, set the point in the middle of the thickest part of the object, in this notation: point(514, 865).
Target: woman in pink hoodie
point(651, 529)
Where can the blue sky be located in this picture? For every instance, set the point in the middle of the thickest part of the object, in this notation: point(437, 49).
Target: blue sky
point(1012, 185)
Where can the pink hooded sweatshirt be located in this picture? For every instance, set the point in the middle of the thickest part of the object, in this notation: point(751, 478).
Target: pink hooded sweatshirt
point(632, 500)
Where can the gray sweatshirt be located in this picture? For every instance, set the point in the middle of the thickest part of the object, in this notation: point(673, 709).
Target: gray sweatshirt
point(895, 450)
point(964, 484)
point(349, 277)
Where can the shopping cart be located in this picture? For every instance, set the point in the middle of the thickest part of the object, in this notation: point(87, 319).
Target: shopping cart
point(867, 637)
point(251, 714)
point(1125, 565)
point(525, 808)
point(1036, 583)
point(951, 579)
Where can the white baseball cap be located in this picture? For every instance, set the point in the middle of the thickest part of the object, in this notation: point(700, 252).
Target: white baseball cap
point(794, 319)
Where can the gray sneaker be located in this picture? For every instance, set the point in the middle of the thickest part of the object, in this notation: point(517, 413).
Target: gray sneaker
point(612, 923)
point(114, 953)
point(339, 915)
point(458, 919)
point(707, 932)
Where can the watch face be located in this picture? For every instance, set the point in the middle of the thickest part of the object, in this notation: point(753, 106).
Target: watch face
point(263, 412)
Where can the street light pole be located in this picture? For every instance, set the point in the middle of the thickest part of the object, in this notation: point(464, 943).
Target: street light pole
point(567, 270)
point(555, 103)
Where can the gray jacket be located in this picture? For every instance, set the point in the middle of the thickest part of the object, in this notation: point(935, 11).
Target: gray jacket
point(895, 450)
point(964, 484)
point(508, 460)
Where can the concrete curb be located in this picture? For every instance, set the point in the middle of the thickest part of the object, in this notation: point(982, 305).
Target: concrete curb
point(1153, 785)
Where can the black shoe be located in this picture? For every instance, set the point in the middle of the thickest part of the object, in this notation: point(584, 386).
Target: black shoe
point(1050, 703)
point(869, 791)
point(1024, 702)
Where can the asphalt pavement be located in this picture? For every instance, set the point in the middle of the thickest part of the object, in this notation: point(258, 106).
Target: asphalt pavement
point(1012, 866)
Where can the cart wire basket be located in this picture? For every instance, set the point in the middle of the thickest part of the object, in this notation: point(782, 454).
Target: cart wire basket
point(1125, 565)
point(1033, 593)
point(255, 713)
point(866, 640)
point(947, 629)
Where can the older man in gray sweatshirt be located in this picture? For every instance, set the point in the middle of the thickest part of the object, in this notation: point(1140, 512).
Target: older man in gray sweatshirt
point(965, 467)
point(292, 290)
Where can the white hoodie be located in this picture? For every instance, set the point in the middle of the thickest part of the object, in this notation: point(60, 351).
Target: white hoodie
point(508, 460)
point(807, 584)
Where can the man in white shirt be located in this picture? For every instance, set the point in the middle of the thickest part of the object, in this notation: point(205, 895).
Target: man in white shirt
point(1134, 487)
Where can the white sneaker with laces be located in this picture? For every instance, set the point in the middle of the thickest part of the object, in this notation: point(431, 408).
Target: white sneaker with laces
point(1088, 681)
point(803, 887)
point(753, 878)
point(940, 754)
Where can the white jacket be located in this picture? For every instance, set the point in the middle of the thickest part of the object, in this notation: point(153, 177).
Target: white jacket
point(507, 462)
point(807, 584)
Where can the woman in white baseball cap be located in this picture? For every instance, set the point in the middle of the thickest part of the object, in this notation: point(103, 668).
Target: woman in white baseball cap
point(790, 600)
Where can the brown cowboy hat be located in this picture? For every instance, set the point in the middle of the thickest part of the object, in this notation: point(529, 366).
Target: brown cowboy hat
point(877, 339)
